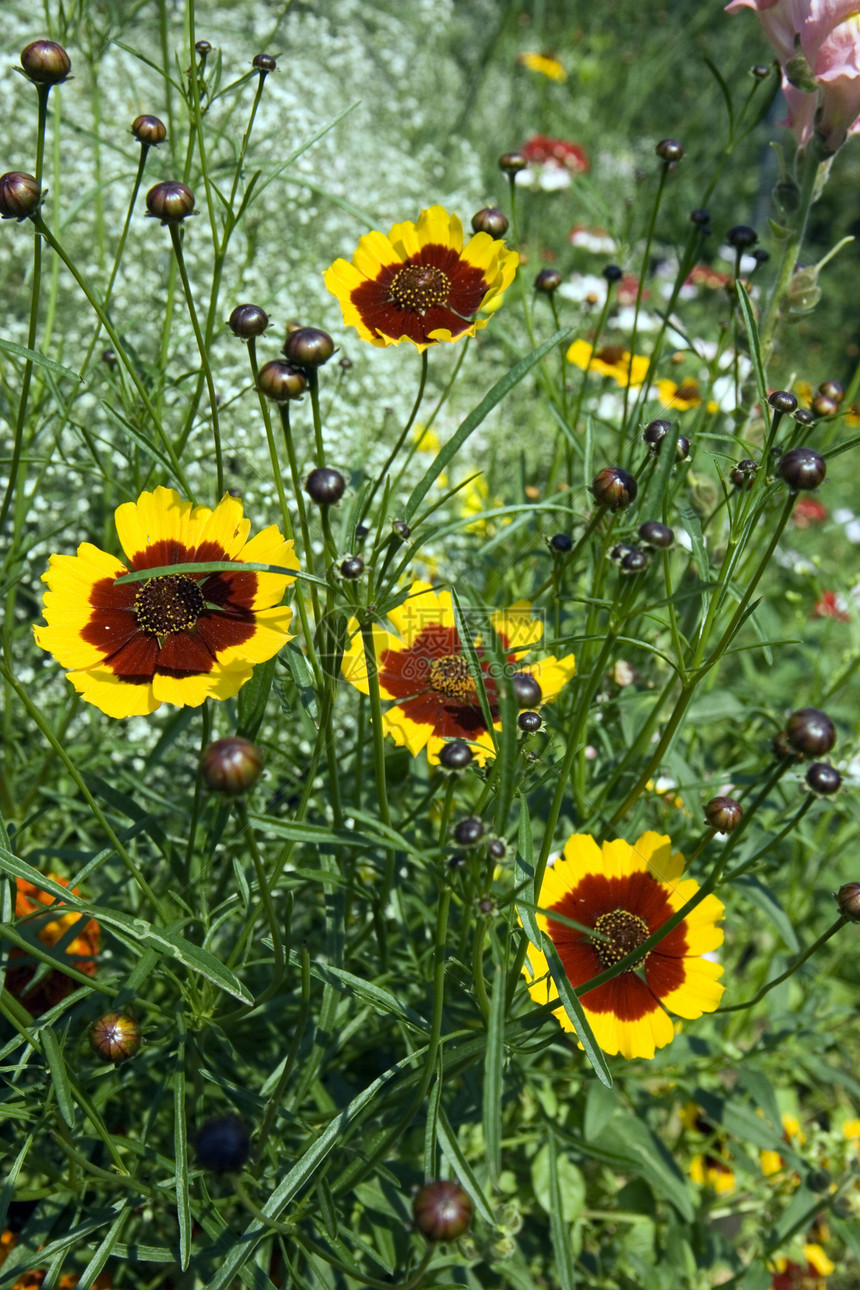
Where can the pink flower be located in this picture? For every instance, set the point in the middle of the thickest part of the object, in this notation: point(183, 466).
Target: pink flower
point(826, 34)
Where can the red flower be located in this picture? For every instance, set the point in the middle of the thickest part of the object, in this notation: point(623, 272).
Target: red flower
point(543, 150)
point(808, 510)
point(702, 275)
point(829, 607)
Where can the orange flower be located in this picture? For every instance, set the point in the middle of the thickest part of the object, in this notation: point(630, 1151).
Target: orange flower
point(81, 948)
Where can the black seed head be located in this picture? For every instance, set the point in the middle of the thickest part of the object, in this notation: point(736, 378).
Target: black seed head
point(655, 432)
point(848, 900)
point(656, 534)
point(561, 543)
point(468, 832)
point(832, 390)
point(497, 849)
point(325, 486)
point(455, 755)
point(612, 273)
point(526, 690)
point(823, 778)
point(700, 216)
point(352, 567)
point(742, 237)
point(634, 562)
point(529, 722)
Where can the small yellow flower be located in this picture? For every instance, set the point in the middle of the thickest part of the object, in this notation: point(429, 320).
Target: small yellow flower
point(545, 64)
point(610, 360)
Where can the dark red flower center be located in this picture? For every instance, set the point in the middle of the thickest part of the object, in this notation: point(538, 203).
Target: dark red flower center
point(620, 932)
point(611, 354)
point(172, 603)
point(450, 676)
point(419, 287)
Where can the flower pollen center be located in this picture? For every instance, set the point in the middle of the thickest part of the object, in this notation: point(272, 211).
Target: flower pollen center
point(172, 603)
point(450, 676)
point(623, 932)
point(419, 287)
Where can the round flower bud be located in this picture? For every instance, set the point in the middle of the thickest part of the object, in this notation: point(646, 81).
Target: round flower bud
point(45, 62)
point(170, 201)
point(782, 401)
point(490, 220)
point(561, 543)
point(848, 900)
point(352, 567)
point(401, 528)
point(743, 475)
point(804, 417)
point(442, 1211)
point(455, 755)
point(468, 832)
point(231, 765)
point(115, 1037)
point(819, 1180)
point(280, 381)
point(222, 1144)
point(308, 346)
point(634, 562)
point(526, 690)
point(203, 48)
point(760, 71)
point(655, 432)
point(20, 194)
point(656, 534)
point(682, 447)
point(612, 273)
point(723, 814)
point(264, 63)
point(529, 722)
point(823, 778)
point(669, 150)
point(824, 406)
point(832, 390)
point(742, 237)
point(497, 849)
point(548, 281)
point(810, 732)
point(109, 358)
point(613, 487)
point(325, 486)
point(149, 130)
point(700, 216)
point(457, 861)
point(802, 468)
point(782, 747)
point(510, 163)
point(760, 255)
point(247, 321)
point(619, 551)
point(361, 532)
point(487, 906)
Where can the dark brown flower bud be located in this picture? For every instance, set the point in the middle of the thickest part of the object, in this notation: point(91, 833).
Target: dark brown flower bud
point(45, 62)
point(823, 778)
point(656, 534)
point(760, 255)
point(20, 195)
point(669, 150)
point(468, 832)
point(222, 1144)
point(280, 381)
point(325, 486)
point(804, 417)
point(548, 281)
point(613, 487)
point(401, 528)
point(561, 543)
point(655, 432)
point(457, 861)
point(264, 63)
point(490, 220)
point(619, 551)
point(782, 401)
point(170, 201)
point(352, 567)
point(512, 162)
point(487, 906)
point(760, 71)
point(682, 447)
point(782, 747)
point(149, 130)
point(612, 273)
point(109, 358)
point(832, 390)
point(723, 814)
point(742, 237)
point(848, 900)
point(802, 468)
point(824, 406)
point(203, 48)
point(529, 722)
point(231, 765)
point(115, 1037)
point(442, 1211)
point(497, 849)
point(634, 562)
point(743, 475)
point(526, 690)
point(455, 755)
point(247, 321)
point(700, 216)
point(308, 346)
point(810, 732)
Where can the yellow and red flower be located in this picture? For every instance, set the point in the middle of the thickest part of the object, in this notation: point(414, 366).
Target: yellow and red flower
point(176, 638)
point(44, 917)
point(789, 1275)
point(619, 895)
point(610, 360)
point(425, 674)
point(420, 283)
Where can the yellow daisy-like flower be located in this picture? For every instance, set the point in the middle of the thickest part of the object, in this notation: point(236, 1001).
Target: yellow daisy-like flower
point(177, 638)
point(545, 64)
point(712, 1171)
point(420, 283)
point(621, 894)
point(683, 396)
point(425, 674)
point(610, 360)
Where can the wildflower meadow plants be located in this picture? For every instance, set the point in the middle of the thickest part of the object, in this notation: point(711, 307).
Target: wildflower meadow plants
point(430, 656)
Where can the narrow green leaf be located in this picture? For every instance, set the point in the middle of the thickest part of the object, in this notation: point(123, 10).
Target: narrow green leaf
point(59, 1075)
point(752, 336)
point(628, 1144)
point(525, 875)
point(180, 1176)
point(573, 1008)
point(465, 1174)
point(466, 632)
point(21, 351)
point(253, 697)
point(106, 1247)
point(300, 670)
point(558, 1227)
point(494, 1059)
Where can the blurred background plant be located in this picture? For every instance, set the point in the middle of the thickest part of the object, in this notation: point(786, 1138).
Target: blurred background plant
point(284, 992)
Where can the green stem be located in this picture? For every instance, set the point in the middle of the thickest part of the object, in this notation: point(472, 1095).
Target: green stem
point(790, 251)
point(783, 976)
point(392, 456)
point(176, 238)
